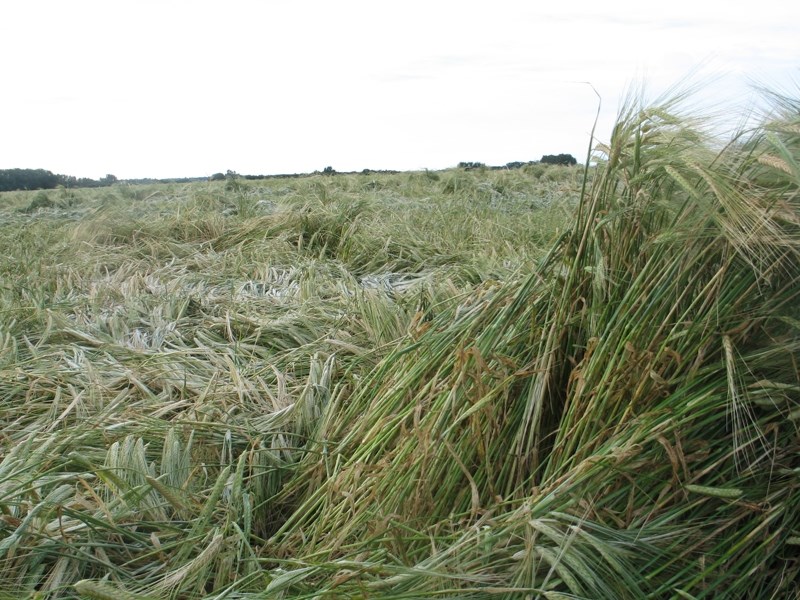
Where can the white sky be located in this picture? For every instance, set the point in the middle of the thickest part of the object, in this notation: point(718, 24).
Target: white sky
point(177, 88)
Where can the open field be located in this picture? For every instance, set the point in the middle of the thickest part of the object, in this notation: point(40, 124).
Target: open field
point(466, 384)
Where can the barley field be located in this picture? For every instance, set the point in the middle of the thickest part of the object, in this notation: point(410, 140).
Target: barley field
point(551, 382)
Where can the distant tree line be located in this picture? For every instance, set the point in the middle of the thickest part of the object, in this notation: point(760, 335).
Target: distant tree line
point(40, 179)
point(233, 175)
point(548, 159)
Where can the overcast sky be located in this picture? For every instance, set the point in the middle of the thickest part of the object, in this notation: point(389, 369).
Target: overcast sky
point(189, 88)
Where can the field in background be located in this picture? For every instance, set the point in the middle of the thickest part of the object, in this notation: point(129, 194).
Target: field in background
point(466, 384)
point(173, 323)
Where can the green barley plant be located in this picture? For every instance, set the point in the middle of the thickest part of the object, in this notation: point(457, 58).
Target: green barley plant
point(615, 387)
point(467, 384)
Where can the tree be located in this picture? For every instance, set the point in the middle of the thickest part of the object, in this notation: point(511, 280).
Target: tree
point(27, 179)
point(559, 159)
